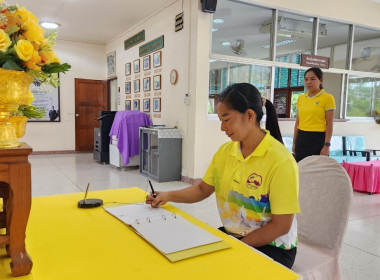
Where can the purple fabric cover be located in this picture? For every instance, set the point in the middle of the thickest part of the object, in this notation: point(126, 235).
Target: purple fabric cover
point(126, 129)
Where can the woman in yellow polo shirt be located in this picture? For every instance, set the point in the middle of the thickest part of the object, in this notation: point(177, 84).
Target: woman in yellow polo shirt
point(315, 115)
point(254, 177)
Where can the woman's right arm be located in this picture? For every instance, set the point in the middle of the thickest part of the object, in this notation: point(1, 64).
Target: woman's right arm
point(190, 194)
point(295, 134)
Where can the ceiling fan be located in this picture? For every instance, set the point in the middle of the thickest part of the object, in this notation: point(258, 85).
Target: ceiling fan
point(238, 47)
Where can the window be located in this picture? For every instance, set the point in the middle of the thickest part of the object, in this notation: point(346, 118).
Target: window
point(294, 34)
point(241, 35)
point(366, 52)
point(332, 43)
point(223, 74)
point(236, 30)
point(363, 97)
point(288, 85)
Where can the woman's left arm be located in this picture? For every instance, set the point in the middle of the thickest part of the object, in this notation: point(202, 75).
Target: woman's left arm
point(278, 226)
point(329, 130)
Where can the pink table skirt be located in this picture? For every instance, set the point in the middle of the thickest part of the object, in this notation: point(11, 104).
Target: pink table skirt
point(365, 176)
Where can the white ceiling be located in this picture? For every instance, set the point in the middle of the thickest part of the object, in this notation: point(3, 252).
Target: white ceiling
point(92, 21)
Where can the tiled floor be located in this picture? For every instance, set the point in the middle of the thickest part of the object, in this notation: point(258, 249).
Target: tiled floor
point(68, 173)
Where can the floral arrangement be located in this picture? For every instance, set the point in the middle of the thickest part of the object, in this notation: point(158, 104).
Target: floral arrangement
point(23, 46)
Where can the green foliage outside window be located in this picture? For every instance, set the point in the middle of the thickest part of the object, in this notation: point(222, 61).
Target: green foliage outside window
point(363, 97)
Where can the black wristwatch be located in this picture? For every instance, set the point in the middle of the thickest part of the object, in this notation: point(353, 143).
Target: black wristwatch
point(327, 144)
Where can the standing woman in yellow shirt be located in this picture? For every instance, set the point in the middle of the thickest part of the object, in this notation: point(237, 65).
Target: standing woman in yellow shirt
point(315, 116)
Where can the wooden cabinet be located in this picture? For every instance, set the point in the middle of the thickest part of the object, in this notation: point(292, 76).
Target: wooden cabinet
point(15, 185)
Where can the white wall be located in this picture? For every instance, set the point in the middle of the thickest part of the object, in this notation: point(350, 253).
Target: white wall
point(175, 55)
point(87, 62)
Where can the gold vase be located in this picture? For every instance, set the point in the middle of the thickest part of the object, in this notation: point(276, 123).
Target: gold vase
point(19, 124)
point(14, 90)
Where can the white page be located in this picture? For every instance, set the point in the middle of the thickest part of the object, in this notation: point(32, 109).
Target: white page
point(166, 231)
point(129, 213)
point(174, 234)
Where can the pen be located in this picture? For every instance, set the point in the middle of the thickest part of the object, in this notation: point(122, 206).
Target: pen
point(153, 192)
point(85, 194)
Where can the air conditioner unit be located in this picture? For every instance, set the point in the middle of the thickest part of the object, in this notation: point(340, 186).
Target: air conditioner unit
point(287, 27)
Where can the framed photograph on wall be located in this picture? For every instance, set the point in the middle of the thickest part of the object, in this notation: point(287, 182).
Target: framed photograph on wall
point(157, 59)
point(127, 105)
point(127, 87)
point(136, 85)
point(157, 104)
point(146, 83)
point(146, 105)
point(146, 62)
point(111, 65)
point(136, 104)
point(127, 69)
point(46, 97)
point(136, 66)
point(157, 82)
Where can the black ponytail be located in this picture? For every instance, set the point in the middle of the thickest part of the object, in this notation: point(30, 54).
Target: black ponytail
point(271, 123)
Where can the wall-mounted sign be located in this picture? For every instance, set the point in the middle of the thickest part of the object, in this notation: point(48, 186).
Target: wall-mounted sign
point(315, 61)
point(152, 46)
point(134, 40)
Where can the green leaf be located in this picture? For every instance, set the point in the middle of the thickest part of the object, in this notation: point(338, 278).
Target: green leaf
point(12, 29)
point(29, 111)
point(56, 68)
point(12, 65)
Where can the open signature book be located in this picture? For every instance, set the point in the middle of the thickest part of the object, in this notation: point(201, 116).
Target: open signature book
point(174, 236)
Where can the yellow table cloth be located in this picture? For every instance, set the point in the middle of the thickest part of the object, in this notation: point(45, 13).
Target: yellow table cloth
point(69, 243)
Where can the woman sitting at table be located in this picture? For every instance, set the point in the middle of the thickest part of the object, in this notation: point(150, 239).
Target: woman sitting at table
point(254, 177)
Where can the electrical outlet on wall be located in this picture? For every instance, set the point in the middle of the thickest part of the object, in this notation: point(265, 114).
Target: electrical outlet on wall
point(187, 99)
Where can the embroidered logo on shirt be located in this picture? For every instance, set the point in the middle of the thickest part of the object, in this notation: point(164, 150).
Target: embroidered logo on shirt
point(254, 181)
point(317, 102)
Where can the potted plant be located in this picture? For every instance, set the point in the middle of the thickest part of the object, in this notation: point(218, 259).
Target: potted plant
point(376, 116)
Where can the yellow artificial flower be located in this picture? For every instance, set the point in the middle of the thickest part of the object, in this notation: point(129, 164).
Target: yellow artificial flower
point(48, 57)
point(24, 49)
point(5, 42)
point(46, 46)
point(13, 22)
point(33, 31)
point(25, 15)
point(33, 62)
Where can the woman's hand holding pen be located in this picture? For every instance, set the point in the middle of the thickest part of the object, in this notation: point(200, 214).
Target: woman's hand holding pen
point(157, 199)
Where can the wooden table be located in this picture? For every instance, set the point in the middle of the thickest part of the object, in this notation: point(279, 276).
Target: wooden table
point(15, 178)
point(365, 176)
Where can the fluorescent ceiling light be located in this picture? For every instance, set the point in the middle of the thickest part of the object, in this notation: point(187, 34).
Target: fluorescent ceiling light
point(226, 44)
point(218, 21)
point(285, 42)
point(49, 25)
point(214, 29)
point(288, 27)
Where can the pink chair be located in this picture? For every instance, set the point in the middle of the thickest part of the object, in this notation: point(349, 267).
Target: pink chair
point(325, 198)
